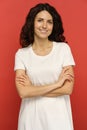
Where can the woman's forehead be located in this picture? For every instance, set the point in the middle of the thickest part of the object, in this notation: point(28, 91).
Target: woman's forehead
point(44, 14)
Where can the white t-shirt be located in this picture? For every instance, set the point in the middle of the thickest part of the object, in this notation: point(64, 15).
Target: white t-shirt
point(44, 113)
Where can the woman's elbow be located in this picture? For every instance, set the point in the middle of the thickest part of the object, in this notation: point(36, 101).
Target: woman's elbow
point(70, 90)
point(20, 92)
point(25, 94)
point(21, 95)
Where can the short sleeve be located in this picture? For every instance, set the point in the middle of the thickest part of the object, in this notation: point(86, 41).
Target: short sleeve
point(68, 57)
point(18, 61)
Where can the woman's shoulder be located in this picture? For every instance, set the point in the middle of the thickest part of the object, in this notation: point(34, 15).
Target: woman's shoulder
point(21, 51)
point(61, 44)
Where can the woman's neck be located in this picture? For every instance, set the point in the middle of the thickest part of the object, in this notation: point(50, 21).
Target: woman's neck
point(42, 47)
point(42, 44)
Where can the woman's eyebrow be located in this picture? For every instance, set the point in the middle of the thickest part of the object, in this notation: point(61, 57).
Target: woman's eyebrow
point(44, 19)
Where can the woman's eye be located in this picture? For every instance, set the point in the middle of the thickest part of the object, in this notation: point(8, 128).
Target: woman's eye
point(39, 20)
point(51, 22)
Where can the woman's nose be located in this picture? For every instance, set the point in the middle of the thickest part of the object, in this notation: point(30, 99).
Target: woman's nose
point(44, 24)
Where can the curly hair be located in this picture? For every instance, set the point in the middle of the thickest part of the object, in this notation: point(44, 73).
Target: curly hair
point(27, 31)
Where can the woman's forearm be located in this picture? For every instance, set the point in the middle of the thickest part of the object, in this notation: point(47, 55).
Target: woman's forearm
point(66, 89)
point(32, 91)
point(25, 88)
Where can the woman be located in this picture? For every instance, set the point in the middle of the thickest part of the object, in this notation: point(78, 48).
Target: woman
point(44, 72)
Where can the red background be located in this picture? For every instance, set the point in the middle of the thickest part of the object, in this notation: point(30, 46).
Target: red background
point(12, 16)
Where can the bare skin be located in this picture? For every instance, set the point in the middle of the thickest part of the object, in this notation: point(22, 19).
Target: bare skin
point(63, 86)
point(43, 26)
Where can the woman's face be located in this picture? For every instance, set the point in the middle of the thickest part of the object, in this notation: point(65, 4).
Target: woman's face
point(43, 25)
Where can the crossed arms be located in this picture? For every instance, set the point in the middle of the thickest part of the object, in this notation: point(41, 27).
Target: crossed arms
point(63, 86)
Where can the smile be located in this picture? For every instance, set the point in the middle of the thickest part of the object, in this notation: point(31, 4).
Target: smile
point(43, 31)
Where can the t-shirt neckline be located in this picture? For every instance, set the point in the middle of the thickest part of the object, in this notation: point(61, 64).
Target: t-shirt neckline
point(43, 56)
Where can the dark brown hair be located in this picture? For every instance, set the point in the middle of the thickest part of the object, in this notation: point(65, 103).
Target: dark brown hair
point(27, 31)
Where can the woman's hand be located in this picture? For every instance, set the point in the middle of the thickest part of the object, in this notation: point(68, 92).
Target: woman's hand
point(65, 76)
point(23, 80)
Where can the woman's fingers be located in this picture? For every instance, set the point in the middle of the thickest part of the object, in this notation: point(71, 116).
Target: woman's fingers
point(23, 80)
point(23, 77)
point(68, 77)
point(65, 70)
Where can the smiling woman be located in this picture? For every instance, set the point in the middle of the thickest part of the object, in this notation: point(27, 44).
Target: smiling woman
point(44, 72)
point(43, 24)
